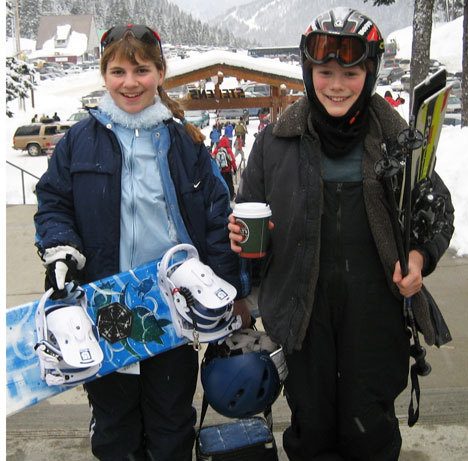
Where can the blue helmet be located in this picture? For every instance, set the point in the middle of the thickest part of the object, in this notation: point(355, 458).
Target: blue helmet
point(241, 377)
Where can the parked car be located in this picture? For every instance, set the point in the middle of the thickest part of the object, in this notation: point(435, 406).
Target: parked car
point(453, 105)
point(254, 111)
point(73, 70)
point(200, 118)
point(405, 64)
point(388, 75)
point(232, 115)
point(452, 119)
point(78, 116)
point(403, 84)
point(39, 138)
point(92, 99)
point(456, 86)
point(260, 89)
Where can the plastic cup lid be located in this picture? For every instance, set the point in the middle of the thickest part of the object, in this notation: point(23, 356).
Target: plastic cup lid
point(252, 210)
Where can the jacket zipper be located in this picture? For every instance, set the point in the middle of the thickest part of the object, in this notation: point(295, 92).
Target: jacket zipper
point(339, 240)
point(133, 205)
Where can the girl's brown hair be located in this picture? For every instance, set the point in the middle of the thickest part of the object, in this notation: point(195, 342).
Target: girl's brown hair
point(131, 49)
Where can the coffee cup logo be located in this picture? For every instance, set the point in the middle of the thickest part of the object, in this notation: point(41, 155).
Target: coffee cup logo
point(244, 230)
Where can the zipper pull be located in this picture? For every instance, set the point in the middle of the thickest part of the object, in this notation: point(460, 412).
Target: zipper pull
point(137, 133)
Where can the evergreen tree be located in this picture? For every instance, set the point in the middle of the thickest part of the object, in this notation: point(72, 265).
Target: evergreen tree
point(448, 10)
point(19, 81)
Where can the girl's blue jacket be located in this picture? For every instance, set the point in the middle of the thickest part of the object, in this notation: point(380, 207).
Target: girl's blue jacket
point(79, 201)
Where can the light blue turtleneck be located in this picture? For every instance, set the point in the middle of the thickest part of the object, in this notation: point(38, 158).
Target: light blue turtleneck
point(146, 227)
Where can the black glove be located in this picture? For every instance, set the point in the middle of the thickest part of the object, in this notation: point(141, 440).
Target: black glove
point(58, 273)
point(63, 265)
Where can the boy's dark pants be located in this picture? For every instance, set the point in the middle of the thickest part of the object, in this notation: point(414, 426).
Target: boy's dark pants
point(342, 385)
point(147, 416)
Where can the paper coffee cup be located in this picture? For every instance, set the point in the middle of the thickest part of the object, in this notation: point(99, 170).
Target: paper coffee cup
point(253, 217)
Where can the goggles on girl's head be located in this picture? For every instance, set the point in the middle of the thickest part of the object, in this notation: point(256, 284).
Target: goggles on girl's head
point(140, 32)
point(348, 50)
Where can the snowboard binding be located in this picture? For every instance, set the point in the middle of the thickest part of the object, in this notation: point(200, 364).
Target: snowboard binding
point(67, 340)
point(200, 302)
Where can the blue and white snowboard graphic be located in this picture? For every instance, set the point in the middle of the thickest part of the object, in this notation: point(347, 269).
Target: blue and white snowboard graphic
point(133, 320)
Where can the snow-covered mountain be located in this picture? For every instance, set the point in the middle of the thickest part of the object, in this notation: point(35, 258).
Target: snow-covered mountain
point(279, 22)
point(175, 26)
point(206, 9)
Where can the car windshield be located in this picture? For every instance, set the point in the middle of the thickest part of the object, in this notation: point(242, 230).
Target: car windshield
point(386, 71)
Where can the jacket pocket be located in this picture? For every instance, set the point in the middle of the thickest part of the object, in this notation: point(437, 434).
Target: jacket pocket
point(89, 167)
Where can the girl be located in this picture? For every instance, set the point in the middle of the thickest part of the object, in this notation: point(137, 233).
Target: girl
point(123, 187)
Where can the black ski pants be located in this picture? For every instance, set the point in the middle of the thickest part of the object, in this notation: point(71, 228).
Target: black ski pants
point(354, 361)
point(147, 416)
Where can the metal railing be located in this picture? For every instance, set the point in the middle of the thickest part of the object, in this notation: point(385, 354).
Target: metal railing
point(23, 172)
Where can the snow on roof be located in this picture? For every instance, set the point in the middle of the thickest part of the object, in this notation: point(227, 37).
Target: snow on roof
point(76, 46)
point(242, 61)
point(63, 32)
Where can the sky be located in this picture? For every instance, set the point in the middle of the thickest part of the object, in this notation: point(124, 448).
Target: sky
point(63, 95)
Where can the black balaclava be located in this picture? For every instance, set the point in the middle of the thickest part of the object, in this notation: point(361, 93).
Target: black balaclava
point(338, 135)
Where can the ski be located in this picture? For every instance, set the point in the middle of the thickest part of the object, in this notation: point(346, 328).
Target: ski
point(429, 121)
point(425, 89)
point(419, 142)
point(406, 174)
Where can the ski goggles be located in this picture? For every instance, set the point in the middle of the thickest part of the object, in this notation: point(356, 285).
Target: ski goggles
point(348, 50)
point(140, 32)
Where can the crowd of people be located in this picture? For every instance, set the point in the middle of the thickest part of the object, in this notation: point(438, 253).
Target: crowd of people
point(331, 285)
point(223, 138)
point(45, 118)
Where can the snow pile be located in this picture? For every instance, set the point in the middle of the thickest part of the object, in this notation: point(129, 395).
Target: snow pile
point(452, 158)
point(240, 60)
point(446, 43)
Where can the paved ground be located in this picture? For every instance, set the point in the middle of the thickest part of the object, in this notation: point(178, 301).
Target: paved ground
point(57, 429)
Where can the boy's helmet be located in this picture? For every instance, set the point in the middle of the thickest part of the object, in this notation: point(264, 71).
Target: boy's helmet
point(343, 34)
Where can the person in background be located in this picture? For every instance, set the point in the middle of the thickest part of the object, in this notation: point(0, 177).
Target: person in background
point(393, 102)
point(331, 290)
point(226, 162)
point(115, 195)
point(264, 119)
point(214, 137)
point(239, 147)
point(241, 129)
point(35, 119)
point(55, 117)
point(45, 119)
point(228, 132)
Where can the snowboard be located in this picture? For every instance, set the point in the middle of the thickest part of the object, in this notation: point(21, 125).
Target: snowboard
point(133, 320)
